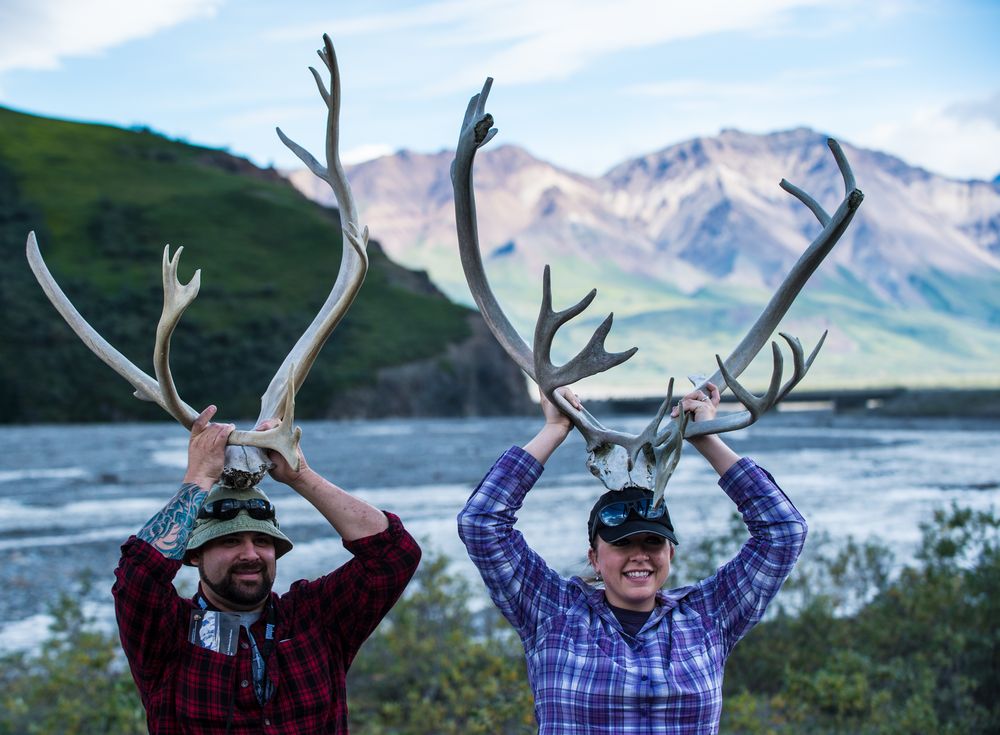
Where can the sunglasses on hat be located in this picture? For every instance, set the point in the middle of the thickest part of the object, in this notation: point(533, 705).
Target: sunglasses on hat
point(615, 514)
point(228, 508)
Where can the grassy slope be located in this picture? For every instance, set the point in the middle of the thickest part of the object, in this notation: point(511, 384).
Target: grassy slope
point(870, 343)
point(104, 201)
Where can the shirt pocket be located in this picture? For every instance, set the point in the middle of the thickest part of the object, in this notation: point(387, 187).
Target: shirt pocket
point(206, 687)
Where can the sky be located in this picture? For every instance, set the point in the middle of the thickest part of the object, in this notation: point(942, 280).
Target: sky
point(584, 84)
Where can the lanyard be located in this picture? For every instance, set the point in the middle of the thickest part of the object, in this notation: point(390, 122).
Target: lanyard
point(262, 686)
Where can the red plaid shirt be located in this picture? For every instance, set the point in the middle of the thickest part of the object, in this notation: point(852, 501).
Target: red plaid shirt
point(320, 627)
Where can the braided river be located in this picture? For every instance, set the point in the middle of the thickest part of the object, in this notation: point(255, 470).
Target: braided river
point(70, 495)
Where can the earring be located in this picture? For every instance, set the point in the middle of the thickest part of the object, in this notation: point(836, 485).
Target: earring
point(599, 577)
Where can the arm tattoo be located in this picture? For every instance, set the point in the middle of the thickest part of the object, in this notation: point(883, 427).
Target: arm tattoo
point(168, 530)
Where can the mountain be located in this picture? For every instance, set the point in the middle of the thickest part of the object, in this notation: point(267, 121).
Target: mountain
point(686, 244)
point(104, 202)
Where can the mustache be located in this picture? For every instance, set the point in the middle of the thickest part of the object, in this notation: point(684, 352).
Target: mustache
point(246, 568)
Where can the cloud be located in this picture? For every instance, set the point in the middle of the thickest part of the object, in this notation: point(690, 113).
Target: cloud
point(555, 39)
point(795, 83)
point(38, 34)
point(969, 111)
point(426, 15)
point(961, 146)
point(368, 152)
point(698, 89)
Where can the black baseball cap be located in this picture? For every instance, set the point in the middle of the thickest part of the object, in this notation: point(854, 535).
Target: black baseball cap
point(634, 523)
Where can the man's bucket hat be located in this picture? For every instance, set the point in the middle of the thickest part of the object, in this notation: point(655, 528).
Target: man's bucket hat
point(207, 529)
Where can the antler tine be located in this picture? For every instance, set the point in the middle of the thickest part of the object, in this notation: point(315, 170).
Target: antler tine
point(668, 455)
point(146, 388)
point(757, 406)
point(592, 359)
point(477, 131)
point(647, 438)
point(649, 434)
point(850, 186)
point(800, 366)
point(354, 260)
point(283, 438)
point(177, 297)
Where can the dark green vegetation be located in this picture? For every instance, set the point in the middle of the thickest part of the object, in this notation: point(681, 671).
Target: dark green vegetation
point(103, 202)
point(77, 684)
point(867, 652)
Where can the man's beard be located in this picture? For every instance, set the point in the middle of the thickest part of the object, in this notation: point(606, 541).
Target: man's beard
point(239, 593)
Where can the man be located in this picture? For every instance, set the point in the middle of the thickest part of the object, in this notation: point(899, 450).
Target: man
point(237, 658)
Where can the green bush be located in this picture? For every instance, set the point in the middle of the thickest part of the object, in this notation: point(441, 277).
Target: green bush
point(77, 683)
point(435, 668)
point(922, 654)
point(865, 652)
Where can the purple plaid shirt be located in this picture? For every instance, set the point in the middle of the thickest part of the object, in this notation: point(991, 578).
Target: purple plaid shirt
point(588, 678)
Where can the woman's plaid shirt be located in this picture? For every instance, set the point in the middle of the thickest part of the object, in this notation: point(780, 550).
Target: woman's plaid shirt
point(586, 675)
point(320, 626)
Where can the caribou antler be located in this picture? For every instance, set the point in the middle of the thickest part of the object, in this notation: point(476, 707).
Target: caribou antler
point(648, 458)
point(354, 261)
point(245, 460)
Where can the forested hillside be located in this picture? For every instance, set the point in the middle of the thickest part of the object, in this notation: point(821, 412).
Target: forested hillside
point(104, 201)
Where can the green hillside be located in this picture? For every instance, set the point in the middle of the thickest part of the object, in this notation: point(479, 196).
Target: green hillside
point(103, 203)
point(870, 343)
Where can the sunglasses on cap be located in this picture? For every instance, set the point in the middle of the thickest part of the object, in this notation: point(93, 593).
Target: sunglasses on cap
point(228, 508)
point(615, 514)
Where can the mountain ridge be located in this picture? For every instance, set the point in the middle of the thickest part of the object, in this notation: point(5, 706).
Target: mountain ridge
point(692, 227)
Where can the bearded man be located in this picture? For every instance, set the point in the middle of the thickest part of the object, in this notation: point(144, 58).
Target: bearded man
point(238, 658)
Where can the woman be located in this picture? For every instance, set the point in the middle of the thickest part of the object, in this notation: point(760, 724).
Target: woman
point(628, 657)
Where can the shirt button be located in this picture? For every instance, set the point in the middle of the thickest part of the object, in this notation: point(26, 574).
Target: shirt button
point(267, 722)
point(644, 677)
point(244, 683)
point(244, 646)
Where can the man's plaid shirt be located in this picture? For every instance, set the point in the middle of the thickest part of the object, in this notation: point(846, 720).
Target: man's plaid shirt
point(587, 677)
point(320, 626)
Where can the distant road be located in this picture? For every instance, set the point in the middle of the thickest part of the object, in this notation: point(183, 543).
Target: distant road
point(972, 402)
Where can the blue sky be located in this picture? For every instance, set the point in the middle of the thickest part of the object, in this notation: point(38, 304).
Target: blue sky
point(581, 83)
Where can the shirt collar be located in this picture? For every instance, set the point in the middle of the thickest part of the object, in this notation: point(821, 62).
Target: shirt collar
point(666, 600)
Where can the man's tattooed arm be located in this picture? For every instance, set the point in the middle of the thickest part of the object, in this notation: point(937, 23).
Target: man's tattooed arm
point(168, 531)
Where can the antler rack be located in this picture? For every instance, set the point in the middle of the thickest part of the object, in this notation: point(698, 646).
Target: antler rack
point(243, 466)
point(646, 459)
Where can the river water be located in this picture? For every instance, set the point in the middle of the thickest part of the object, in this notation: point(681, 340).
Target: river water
point(69, 495)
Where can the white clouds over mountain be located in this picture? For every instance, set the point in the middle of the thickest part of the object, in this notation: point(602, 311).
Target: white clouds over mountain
point(39, 34)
